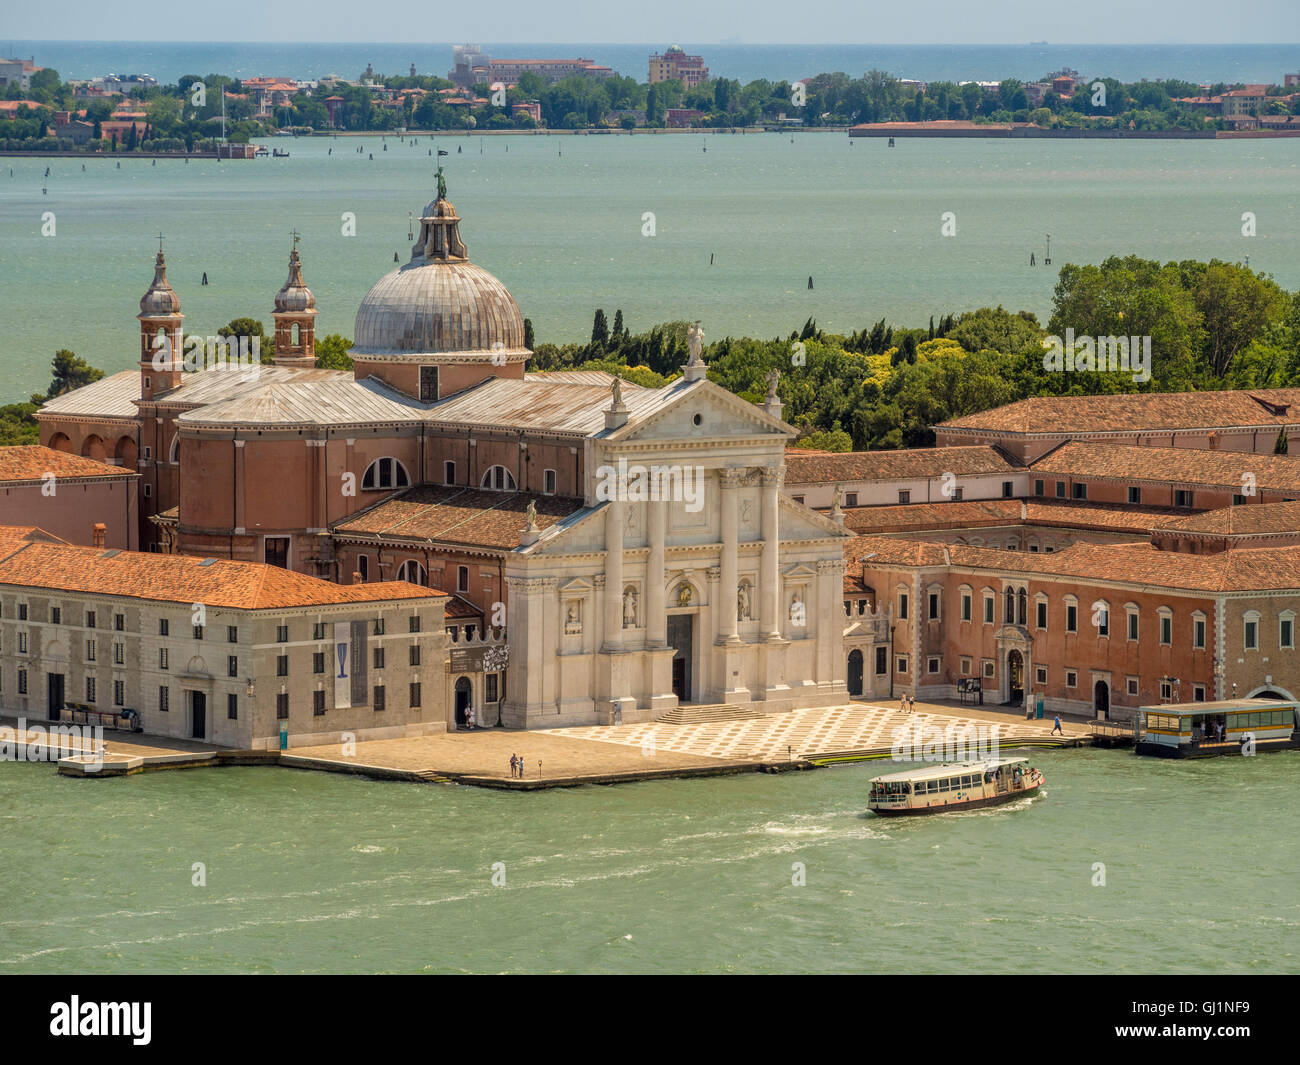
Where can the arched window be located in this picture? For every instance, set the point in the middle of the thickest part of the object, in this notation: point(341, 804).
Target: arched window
point(499, 479)
point(412, 571)
point(385, 473)
point(174, 452)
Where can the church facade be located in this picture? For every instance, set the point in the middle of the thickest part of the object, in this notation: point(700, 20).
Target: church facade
point(609, 551)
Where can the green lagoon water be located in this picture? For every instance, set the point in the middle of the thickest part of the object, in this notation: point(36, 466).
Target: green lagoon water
point(312, 873)
point(559, 220)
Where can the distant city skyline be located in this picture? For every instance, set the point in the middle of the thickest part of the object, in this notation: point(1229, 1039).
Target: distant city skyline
point(764, 22)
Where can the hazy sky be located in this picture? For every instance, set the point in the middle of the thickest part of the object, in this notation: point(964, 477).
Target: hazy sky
point(698, 21)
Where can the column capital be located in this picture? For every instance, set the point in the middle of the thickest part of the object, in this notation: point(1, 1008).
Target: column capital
point(773, 476)
point(731, 477)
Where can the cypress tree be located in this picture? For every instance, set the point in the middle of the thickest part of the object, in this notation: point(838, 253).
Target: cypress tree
point(528, 333)
point(599, 328)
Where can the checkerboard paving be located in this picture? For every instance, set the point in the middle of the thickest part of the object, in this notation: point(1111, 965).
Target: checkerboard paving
point(803, 733)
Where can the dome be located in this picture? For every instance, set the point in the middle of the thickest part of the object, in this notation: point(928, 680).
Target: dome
point(159, 301)
point(439, 302)
point(295, 296)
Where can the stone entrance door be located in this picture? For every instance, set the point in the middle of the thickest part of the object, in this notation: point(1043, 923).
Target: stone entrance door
point(681, 638)
point(1015, 678)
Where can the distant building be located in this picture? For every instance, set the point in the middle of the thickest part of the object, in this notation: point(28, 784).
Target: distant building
point(675, 65)
point(531, 108)
point(17, 72)
point(681, 117)
point(1291, 79)
point(1063, 85)
point(1245, 101)
point(472, 66)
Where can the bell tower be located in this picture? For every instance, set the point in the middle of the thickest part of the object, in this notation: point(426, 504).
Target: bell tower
point(295, 319)
point(161, 335)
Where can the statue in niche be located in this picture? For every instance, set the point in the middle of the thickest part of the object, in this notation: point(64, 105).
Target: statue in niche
point(743, 601)
point(629, 607)
point(798, 612)
point(746, 515)
point(683, 594)
point(573, 618)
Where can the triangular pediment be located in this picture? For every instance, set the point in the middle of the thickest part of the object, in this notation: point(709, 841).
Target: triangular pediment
point(721, 415)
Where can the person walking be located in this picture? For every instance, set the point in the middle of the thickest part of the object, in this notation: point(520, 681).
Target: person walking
point(513, 770)
point(1056, 725)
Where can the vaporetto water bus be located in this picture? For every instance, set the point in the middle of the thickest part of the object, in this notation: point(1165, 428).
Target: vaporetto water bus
point(1228, 726)
point(954, 786)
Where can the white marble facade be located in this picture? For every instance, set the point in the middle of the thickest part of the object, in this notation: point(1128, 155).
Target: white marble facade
point(724, 589)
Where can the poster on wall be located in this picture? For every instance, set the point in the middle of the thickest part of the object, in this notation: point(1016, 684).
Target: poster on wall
point(342, 664)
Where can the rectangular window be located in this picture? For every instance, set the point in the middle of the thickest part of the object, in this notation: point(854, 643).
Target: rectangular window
point(119, 622)
point(1166, 629)
point(1134, 494)
point(1198, 693)
point(198, 632)
point(448, 472)
point(1132, 685)
point(490, 688)
point(1182, 498)
point(119, 693)
point(275, 551)
point(232, 634)
point(1071, 678)
point(934, 606)
point(1132, 625)
point(318, 631)
point(415, 694)
point(164, 627)
point(90, 689)
point(148, 491)
point(1252, 635)
point(56, 615)
point(1071, 618)
point(318, 662)
point(282, 665)
point(1103, 622)
point(119, 654)
point(902, 663)
point(22, 643)
point(162, 658)
point(548, 482)
point(988, 610)
point(965, 606)
point(1286, 633)
point(90, 619)
point(1038, 488)
point(1167, 692)
point(90, 648)
point(462, 578)
point(232, 707)
point(282, 634)
point(1007, 489)
point(1238, 499)
point(850, 499)
point(164, 698)
point(988, 667)
point(956, 494)
point(1060, 489)
point(1041, 610)
point(414, 623)
point(1198, 634)
point(318, 702)
point(414, 654)
point(964, 663)
point(904, 496)
point(282, 706)
point(1080, 490)
point(232, 665)
point(428, 384)
point(932, 665)
point(22, 682)
point(1040, 674)
point(379, 698)
point(379, 626)
point(902, 605)
point(379, 658)
point(22, 611)
point(882, 661)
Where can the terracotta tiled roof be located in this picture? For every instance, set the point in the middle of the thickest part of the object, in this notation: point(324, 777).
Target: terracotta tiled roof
point(475, 517)
point(1257, 569)
point(32, 462)
point(984, 513)
point(33, 533)
point(1252, 519)
point(1171, 465)
point(1113, 517)
point(1136, 412)
point(809, 467)
point(183, 578)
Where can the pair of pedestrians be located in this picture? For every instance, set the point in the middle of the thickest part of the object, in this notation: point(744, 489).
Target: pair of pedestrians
point(517, 766)
point(907, 704)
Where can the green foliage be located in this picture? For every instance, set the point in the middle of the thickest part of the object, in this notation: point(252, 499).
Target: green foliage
point(17, 426)
point(69, 373)
point(826, 440)
point(332, 352)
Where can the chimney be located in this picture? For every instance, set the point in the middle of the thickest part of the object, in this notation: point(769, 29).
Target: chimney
point(356, 578)
point(99, 534)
